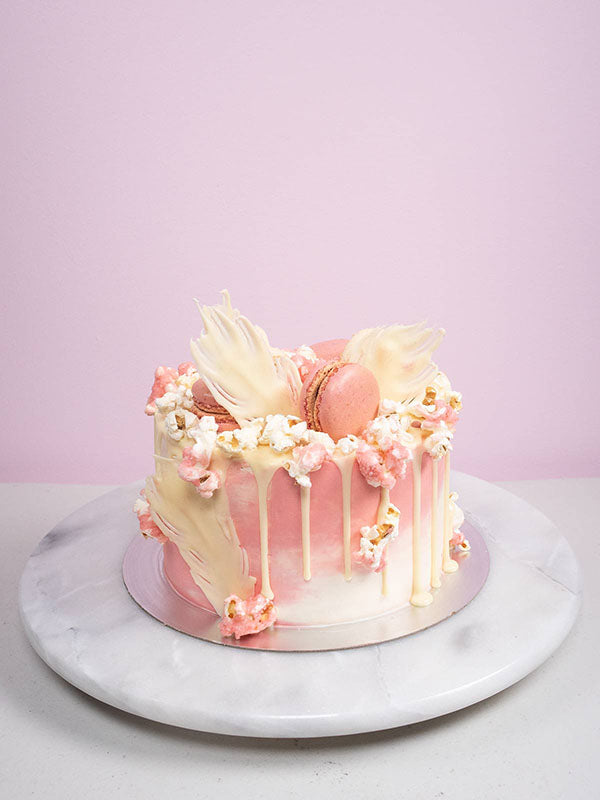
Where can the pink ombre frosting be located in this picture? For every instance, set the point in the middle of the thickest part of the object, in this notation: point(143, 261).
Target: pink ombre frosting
point(327, 595)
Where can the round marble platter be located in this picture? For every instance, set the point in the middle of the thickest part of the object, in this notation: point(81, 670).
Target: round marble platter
point(81, 620)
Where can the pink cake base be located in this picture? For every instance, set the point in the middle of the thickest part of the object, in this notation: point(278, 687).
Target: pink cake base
point(327, 595)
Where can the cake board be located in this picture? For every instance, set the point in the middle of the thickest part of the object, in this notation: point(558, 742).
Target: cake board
point(81, 620)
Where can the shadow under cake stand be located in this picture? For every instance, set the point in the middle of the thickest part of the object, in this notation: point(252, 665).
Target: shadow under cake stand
point(83, 623)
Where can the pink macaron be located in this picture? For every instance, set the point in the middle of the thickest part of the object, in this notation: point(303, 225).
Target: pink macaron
point(330, 350)
point(339, 398)
point(206, 405)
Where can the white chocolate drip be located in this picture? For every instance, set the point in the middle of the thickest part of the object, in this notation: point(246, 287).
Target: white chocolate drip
point(305, 508)
point(263, 467)
point(384, 503)
point(420, 596)
point(435, 547)
point(448, 564)
point(346, 465)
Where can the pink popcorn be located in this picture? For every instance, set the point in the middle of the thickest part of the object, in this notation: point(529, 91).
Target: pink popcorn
point(438, 411)
point(164, 381)
point(458, 542)
point(373, 558)
point(305, 459)
point(444, 412)
point(382, 467)
point(310, 457)
point(193, 468)
point(375, 539)
point(242, 617)
point(186, 368)
point(457, 539)
point(147, 525)
point(370, 462)
point(450, 416)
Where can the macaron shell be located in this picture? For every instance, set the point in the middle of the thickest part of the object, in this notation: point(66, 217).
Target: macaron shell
point(206, 405)
point(330, 350)
point(347, 400)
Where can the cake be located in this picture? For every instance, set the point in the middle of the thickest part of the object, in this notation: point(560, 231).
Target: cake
point(306, 487)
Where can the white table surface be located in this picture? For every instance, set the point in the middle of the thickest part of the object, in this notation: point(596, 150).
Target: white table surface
point(540, 738)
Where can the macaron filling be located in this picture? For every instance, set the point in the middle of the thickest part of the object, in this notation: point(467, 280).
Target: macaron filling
point(311, 401)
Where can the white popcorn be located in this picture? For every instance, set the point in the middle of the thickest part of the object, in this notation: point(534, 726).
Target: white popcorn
point(245, 438)
point(442, 394)
point(204, 434)
point(299, 476)
point(180, 398)
point(187, 380)
point(388, 407)
point(385, 430)
point(375, 538)
point(184, 386)
point(229, 443)
point(249, 435)
point(347, 445)
point(442, 386)
point(168, 402)
point(457, 518)
point(207, 424)
point(304, 351)
point(141, 506)
point(439, 441)
point(179, 422)
point(457, 515)
point(283, 432)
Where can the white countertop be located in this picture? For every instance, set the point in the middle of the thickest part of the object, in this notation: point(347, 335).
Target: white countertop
point(538, 738)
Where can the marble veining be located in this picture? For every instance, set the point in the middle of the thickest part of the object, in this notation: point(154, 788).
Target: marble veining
point(83, 623)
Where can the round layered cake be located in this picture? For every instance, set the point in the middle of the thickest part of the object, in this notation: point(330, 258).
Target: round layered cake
point(305, 487)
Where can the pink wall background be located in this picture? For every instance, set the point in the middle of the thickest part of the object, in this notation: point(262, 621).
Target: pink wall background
point(337, 165)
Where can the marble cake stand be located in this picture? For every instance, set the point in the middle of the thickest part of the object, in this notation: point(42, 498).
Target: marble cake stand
point(83, 623)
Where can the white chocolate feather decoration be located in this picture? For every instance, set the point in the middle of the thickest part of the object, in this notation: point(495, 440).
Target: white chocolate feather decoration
point(239, 367)
point(399, 356)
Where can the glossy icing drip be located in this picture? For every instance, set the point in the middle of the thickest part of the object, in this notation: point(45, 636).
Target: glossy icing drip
point(346, 465)
point(263, 469)
point(384, 503)
point(435, 547)
point(448, 564)
point(305, 507)
point(420, 596)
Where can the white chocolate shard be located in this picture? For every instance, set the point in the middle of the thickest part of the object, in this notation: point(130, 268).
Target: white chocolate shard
point(399, 356)
point(237, 363)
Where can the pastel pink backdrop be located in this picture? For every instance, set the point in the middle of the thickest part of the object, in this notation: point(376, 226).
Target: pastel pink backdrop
point(336, 165)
